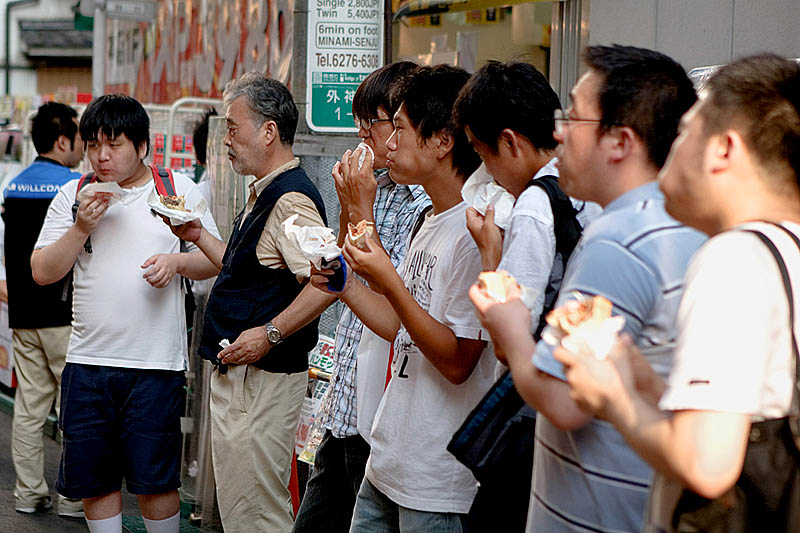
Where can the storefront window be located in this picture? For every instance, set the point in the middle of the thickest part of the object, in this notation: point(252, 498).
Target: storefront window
point(468, 33)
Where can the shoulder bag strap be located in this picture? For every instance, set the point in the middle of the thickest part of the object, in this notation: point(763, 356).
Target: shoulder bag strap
point(164, 182)
point(787, 285)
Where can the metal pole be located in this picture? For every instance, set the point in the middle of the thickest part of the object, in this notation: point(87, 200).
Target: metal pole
point(99, 49)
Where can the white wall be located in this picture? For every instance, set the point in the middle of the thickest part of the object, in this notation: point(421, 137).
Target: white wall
point(699, 32)
point(23, 83)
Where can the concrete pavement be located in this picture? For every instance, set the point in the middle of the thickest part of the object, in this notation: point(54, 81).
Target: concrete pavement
point(14, 522)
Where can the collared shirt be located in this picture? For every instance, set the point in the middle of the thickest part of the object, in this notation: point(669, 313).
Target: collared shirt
point(635, 255)
point(275, 249)
point(396, 209)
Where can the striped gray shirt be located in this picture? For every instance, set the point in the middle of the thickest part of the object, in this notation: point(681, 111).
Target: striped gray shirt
point(635, 255)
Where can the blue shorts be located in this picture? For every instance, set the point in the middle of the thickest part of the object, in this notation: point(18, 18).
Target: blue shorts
point(120, 423)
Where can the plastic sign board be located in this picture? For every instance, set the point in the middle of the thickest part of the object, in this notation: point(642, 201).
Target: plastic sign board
point(345, 44)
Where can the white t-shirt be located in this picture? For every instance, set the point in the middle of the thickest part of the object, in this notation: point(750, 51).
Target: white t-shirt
point(420, 409)
point(119, 319)
point(733, 352)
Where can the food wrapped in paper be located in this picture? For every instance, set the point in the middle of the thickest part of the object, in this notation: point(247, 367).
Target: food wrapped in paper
point(317, 243)
point(480, 190)
point(363, 148)
point(359, 233)
point(501, 286)
point(193, 207)
point(107, 189)
point(583, 320)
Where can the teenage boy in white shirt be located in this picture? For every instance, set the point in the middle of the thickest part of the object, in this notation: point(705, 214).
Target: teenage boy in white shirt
point(440, 370)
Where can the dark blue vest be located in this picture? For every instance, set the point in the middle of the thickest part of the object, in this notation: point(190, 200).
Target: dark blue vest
point(248, 294)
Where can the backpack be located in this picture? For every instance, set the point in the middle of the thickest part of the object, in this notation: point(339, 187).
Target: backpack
point(567, 230)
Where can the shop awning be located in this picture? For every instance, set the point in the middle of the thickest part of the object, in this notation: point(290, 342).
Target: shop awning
point(413, 8)
point(54, 38)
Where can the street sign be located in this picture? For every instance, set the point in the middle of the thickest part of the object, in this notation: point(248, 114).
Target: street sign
point(141, 10)
point(345, 44)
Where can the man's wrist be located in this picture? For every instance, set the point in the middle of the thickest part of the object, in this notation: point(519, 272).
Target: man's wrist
point(274, 335)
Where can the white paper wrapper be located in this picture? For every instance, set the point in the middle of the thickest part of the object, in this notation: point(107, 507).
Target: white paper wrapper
point(117, 193)
point(317, 243)
point(599, 336)
point(195, 203)
point(363, 148)
point(480, 190)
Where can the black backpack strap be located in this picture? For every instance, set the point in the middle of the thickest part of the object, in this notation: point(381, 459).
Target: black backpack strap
point(84, 180)
point(787, 285)
point(566, 227)
point(418, 223)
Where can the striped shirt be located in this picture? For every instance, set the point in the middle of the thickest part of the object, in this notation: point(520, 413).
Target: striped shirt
point(635, 255)
point(396, 209)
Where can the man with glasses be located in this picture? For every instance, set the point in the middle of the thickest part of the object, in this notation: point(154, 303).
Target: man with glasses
point(612, 143)
point(342, 455)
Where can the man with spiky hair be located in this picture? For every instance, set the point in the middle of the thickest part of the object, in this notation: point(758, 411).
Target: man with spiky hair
point(440, 368)
point(123, 383)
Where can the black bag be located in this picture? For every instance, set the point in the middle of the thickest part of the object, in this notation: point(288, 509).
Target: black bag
point(496, 440)
point(766, 497)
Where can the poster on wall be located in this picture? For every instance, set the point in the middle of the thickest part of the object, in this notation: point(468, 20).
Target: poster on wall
point(195, 47)
point(345, 44)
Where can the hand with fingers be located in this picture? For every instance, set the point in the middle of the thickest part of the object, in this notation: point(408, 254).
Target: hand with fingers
point(596, 384)
point(487, 236)
point(249, 347)
point(160, 269)
point(90, 212)
point(506, 322)
point(189, 232)
point(355, 186)
point(372, 264)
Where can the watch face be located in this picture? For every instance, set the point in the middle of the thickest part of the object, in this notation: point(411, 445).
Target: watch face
point(273, 335)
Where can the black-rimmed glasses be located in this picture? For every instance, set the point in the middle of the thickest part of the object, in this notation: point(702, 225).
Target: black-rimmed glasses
point(368, 123)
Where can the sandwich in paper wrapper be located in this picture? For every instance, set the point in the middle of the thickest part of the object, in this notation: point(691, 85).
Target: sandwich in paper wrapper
point(497, 285)
point(178, 209)
point(359, 233)
point(317, 243)
point(584, 320)
point(480, 190)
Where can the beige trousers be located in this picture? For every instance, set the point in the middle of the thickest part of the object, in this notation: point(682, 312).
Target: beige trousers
point(39, 356)
point(254, 418)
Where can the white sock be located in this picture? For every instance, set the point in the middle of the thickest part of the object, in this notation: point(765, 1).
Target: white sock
point(168, 525)
point(106, 525)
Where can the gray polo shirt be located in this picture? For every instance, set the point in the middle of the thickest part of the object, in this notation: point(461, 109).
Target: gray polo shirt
point(635, 255)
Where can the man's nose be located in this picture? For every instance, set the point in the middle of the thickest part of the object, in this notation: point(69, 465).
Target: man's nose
point(391, 142)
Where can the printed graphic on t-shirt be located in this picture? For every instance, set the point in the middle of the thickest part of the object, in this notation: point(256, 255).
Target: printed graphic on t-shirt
point(419, 270)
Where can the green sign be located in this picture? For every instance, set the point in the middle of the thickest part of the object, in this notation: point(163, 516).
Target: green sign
point(332, 98)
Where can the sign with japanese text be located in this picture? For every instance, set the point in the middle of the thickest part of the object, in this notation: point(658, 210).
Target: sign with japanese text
point(345, 44)
point(195, 47)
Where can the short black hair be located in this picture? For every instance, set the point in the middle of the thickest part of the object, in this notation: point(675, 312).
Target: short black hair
point(644, 90)
point(200, 136)
point(51, 121)
point(508, 95)
point(427, 97)
point(113, 115)
point(759, 97)
point(268, 99)
point(379, 90)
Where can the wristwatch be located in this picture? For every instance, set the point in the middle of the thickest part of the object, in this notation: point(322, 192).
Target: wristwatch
point(273, 334)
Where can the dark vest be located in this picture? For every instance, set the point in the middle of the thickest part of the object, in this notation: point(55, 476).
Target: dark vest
point(247, 294)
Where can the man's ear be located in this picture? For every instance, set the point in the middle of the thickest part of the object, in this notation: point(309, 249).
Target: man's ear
point(271, 134)
point(509, 141)
point(723, 150)
point(620, 141)
point(443, 143)
point(62, 143)
point(142, 151)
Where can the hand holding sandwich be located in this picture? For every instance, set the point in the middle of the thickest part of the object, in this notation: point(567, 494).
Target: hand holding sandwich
point(355, 186)
point(89, 214)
